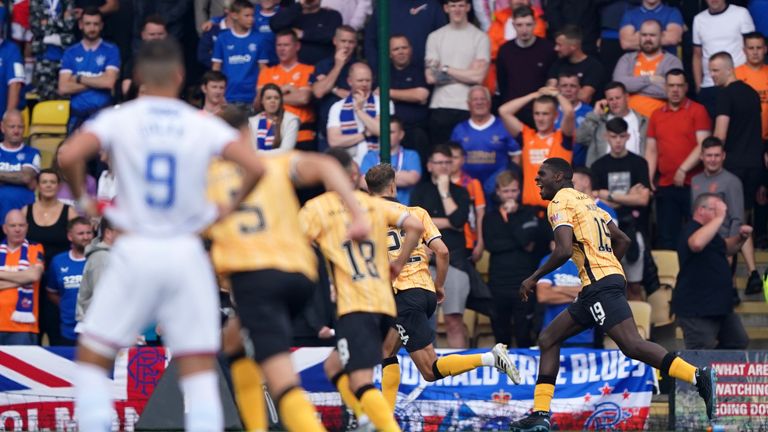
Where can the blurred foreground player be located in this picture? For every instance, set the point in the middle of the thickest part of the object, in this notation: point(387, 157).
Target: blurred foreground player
point(361, 274)
point(417, 296)
point(273, 273)
point(587, 233)
point(158, 270)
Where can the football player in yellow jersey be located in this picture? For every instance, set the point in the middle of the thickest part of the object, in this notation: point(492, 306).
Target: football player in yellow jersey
point(362, 275)
point(585, 232)
point(272, 272)
point(417, 296)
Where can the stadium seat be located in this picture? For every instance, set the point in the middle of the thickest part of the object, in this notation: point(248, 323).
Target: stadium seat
point(641, 312)
point(668, 265)
point(47, 145)
point(483, 264)
point(25, 118)
point(50, 118)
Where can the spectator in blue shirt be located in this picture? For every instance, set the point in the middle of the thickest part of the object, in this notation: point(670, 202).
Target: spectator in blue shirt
point(669, 17)
point(89, 71)
point(486, 142)
point(12, 74)
point(240, 53)
point(406, 163)
point(66, 273)
point(569, 85)
point(19, 165)
point(263, 13)
point(557, 290)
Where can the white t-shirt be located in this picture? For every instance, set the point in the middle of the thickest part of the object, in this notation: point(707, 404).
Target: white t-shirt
point(633, 129)
point(359, 150)
point(456, 48)
point(160, 149)
point(721, 32)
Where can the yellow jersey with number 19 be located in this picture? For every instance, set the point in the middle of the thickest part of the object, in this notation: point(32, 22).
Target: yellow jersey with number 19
point(592, 251)
point(360, 270)
point(415, 273)
point(264, 233)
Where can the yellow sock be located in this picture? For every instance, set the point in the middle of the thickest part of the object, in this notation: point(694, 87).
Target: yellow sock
point(390, 380)
point(297, 413)
point(376, 408)
point(683, 370)
point(457, 364)
point(542, 397)
point(249, 394)
point(342, 385)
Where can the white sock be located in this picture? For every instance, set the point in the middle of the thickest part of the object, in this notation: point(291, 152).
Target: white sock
point(93, 398)
point(202, 404)
point(488, 359)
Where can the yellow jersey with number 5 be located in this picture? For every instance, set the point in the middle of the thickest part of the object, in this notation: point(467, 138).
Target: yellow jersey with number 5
point(264, 233)
point(415, 273)
point(360, 270)
point(592, 250)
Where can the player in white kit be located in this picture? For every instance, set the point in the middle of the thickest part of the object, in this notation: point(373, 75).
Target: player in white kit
point(160, 149)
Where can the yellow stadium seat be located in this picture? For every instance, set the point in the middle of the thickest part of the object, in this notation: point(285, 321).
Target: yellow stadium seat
point(47, 146)
point(669, 267)
point(483, 264)
point(50, 117)
point(25, 118)
point(641, 312)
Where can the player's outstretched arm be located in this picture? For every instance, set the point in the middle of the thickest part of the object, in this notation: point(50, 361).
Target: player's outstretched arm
point(442, 258)
point(313, 168)
point(413, 232)
point(619, 241)
point(242, 153)
point(77, 149)
point(560, 255)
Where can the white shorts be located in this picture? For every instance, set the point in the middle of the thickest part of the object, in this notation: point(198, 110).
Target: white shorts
point(168, 281)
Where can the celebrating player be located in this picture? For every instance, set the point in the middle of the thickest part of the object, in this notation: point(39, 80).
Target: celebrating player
point(417, 296)
point(587, 233)
point(361, 276)
point(158, 270)
point(273, 272)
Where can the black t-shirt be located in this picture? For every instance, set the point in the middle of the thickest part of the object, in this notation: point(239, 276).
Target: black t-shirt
point(426, 196)
point(704, 286)
point(589, 70)
point(412, 76)
point(323, 105)
point(743, 142)
point(619, 175)
point(520, 71)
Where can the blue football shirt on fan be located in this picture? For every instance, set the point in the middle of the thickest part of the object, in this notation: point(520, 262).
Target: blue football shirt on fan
point(15, 196)
point(580, 113)
point(261, 23)
point(11, 70)
point(488, 148)
point(64, 277)
point(240, 56)
point(566, 275)
point(92, 62)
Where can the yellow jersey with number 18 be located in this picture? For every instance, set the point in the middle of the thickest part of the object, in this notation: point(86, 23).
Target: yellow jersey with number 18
point(415, 273)
point(264, 233)
point(360, 270)
point(592, 251)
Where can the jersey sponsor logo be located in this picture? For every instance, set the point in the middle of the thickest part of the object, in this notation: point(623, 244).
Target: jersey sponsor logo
point(264, 28)
point(9, 167)
point(72, 281)
point(564, 279)
point(239, 59)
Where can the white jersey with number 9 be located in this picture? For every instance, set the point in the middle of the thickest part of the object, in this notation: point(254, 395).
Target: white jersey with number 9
point(160, 150)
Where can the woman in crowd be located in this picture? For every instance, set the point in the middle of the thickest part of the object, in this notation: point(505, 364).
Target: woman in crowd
point(273, 129)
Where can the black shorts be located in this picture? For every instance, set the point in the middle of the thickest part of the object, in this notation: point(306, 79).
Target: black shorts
point(359, 337)
point(602, 303)
point(266, 302)
point(415, 307)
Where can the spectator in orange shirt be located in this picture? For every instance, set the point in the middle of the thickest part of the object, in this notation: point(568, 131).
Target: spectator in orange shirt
point(293, 79)
point(543, 141)
point(502, 30)
point(21, 267)
point(755, 72)
point(473, 229)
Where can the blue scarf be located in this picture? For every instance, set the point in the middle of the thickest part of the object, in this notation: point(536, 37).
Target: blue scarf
point(265, 134)
point(349, 124)
point(24, 312)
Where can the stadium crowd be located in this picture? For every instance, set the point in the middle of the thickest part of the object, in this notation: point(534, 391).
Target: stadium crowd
point(646, 98)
